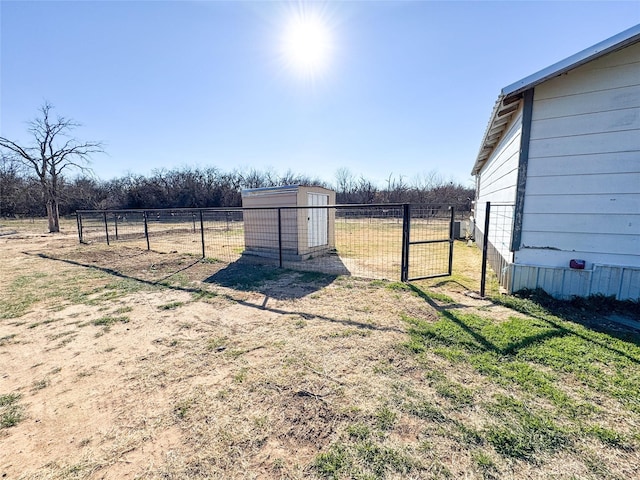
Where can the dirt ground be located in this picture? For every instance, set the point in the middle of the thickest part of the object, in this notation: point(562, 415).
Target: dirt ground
point(117, 363)
point(133, 364)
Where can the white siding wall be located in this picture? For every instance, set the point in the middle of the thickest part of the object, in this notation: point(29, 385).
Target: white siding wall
point(583, 186)
point(497, 184)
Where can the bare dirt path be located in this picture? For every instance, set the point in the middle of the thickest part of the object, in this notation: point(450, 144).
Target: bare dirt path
point(131, 363)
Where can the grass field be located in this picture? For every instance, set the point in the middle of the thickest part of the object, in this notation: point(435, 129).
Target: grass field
point(119, 362)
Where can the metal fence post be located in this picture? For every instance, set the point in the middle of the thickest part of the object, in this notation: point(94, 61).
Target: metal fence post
point(406, 230)
point(79, 222)
point(106, 226)
point(485, 242)
point(451, 239)
point(146, 229)
point(201, 232)
point(115, 222)
point(280, 236)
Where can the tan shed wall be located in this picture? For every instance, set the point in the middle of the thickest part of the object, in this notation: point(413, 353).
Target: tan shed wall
point(261, 226)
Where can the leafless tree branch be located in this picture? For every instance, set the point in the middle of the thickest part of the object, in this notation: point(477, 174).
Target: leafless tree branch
point(53, 152)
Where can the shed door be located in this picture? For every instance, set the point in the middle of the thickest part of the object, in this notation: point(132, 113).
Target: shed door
point(317, 219)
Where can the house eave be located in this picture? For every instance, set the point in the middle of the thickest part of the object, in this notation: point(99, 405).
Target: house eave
point(503, 110)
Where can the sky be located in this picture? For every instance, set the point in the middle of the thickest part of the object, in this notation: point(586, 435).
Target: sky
point(384, 88)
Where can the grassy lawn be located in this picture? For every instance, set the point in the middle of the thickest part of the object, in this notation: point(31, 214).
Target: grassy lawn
point(527, 387)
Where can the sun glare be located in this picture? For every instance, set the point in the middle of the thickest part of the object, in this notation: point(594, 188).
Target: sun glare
point(306, 45)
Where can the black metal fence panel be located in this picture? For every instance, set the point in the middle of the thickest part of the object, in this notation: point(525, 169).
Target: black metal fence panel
point(222, 234)
point(431, 239)
point(493, 234)
point(360, 240)
point(369, 240)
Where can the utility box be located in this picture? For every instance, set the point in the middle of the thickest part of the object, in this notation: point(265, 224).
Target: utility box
point(276, 222)
point(461, 230)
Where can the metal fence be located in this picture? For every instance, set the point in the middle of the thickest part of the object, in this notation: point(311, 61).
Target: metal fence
point(389, 241)
point(493, 232)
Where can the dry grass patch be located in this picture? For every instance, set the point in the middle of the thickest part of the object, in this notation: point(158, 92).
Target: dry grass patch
point(11, 411)
point(179, 368)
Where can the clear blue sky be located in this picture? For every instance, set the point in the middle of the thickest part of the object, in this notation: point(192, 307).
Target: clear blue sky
point(408, 87)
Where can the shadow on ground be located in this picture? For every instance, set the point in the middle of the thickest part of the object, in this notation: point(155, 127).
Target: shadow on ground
point(560, 318)
point(274, 282)
point(270, 281)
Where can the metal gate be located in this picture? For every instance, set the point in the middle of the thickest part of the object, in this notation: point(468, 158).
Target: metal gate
point(427, 242)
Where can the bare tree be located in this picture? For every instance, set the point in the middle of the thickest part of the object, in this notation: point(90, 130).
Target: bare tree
point(10, 184)
point(53, 151)
point(345, 183)
point(397, 189)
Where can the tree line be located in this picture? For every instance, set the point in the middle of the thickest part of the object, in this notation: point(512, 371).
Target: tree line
point(186, 187)
point(36, 179)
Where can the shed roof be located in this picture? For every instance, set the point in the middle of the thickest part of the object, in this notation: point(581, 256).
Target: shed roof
point(510, 96)
point(280, 189)
point(269, 190)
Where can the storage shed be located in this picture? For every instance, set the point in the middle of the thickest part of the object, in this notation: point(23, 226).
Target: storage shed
point(277, 216)
point(560, 159)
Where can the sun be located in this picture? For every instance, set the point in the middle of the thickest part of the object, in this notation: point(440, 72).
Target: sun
point(307, 44)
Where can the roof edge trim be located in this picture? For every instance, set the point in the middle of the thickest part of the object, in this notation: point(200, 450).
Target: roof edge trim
point(617, 42)
point(514, 92)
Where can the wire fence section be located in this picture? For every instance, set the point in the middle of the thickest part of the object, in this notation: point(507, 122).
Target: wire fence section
point(360, 240)
point(215, 234)
point(369, 241)
point(432, 230)
point(494, 230)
